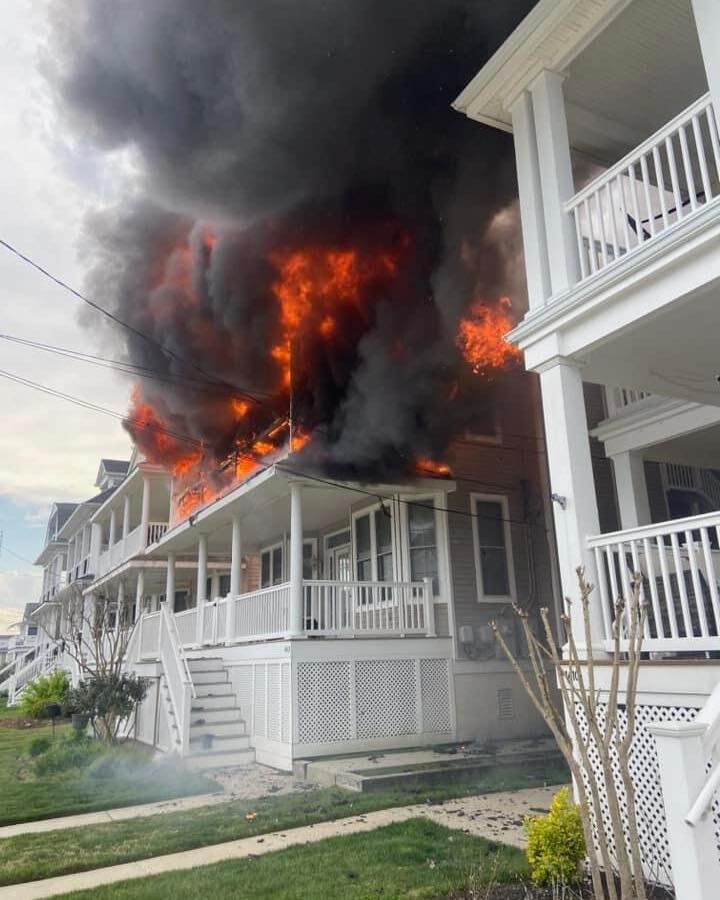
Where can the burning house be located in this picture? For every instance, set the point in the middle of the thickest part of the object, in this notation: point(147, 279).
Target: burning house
point(339, 471)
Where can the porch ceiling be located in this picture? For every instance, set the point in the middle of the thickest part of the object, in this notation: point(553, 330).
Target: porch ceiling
point(672, 352)
point(263, 505)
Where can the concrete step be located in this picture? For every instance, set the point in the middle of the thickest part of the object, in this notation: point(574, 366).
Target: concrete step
point(210, 664)
point(214, 701)
point(218, 689)
point(221, 743)
point(210, 677)
point(219, 729)
point(212, 716)
point(208, 761)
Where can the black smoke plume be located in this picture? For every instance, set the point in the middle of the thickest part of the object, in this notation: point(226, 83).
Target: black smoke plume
point(264, 126)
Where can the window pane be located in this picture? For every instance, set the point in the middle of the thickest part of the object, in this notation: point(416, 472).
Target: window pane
point(265, 570)
point(385, 567)
point(364, 570)
point(362, 536)
point(423, 564)
point(494, 571)
point(308, 557)
point(277, 565)
point(383, 532)
point(421, 522)
point(490, 524)
point(224, 585)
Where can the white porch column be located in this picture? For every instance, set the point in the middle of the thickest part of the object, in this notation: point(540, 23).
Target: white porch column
point(145, 513)
point(707, 22)
point(170, 582)
point(296, 560)
point(201, 590)
point(571, 481)
point(113, 528)
point(693, 851)
point(126, 517)
point(95, 545)
point(555, 171)
point(139, 593)
point(631, 489)
point(235, 557)
point(120, 600)
point(214, 585)
point(531, 202)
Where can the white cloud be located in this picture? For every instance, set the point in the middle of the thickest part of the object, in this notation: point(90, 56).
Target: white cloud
point(17, 589)
point(49, 449)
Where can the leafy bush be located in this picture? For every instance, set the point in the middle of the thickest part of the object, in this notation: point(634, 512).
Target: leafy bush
point(106, 700)
point(43, 692)
point(39, 745)
point(556, 844)
point(67, 753)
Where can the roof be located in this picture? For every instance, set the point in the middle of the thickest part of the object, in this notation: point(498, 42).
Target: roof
point(82, 513)
point(29, 610)
point(64, 511)
point(115, 466)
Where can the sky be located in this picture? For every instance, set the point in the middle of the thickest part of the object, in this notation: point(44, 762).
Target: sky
point(49, 448)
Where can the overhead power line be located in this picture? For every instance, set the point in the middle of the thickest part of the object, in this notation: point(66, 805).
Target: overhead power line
point(118, 321)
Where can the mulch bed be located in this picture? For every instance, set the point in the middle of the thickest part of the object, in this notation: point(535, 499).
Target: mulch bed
point(531, 892)
point(22, 724)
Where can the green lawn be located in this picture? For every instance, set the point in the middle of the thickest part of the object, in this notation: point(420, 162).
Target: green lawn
point(25, 797)
point(416, 859)
point(35, 856)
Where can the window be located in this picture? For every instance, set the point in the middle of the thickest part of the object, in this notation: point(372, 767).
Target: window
point(491, 538)
point(373, 545)
point(224, 585)
point(271, 566)
point(422, 540)
point(309, 558)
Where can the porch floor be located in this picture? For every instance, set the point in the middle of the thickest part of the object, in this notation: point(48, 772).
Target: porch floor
point(395, 768)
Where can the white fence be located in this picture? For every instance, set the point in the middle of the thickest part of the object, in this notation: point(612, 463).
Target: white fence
point(679, 562)
point(670, 176)
point(261, 614)
point(149, 635)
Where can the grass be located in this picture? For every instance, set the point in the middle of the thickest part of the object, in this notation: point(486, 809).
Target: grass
point(35, 856)
point(27, 796)
point(416, 859)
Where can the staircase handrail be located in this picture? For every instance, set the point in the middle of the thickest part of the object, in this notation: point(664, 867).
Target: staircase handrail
point(177, 676)
point(709, 716)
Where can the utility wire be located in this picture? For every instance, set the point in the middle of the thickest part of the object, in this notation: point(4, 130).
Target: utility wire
point(128, 368)
point(136, 331)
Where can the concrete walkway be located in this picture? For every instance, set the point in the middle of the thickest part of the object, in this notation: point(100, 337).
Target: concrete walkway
point(495, 816)
point(115, 815)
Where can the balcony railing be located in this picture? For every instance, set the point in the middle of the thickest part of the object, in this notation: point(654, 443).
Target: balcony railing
point(679, 564)
point(331, 609)
point(667, 179)
point(619, 400)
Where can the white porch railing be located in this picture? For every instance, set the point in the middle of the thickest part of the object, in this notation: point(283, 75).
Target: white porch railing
point(261, 615)
point(177, 676)
point(669, 177)
point(336, 607)
point(680, 566)
point(155, 531)
point(620, 399)
point(149, 635)
point(680, 477)
point(187, 626)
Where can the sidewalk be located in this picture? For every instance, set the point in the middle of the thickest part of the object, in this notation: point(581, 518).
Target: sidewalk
point(494, 816)
point(104, 816)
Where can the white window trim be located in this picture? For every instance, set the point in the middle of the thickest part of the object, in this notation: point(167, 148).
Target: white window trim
point(269, 549)
point(435, 500)
point(482, 597)
point(365, 511)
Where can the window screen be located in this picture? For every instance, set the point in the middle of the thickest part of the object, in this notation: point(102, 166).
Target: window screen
point(423, 544)
point(492, 548)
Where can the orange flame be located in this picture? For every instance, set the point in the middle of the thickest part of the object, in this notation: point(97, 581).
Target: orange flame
point(481, 337)
point(426, 466)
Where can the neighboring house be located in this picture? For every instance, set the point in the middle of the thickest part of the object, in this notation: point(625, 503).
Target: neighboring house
point(298, 615)
point(613, 107)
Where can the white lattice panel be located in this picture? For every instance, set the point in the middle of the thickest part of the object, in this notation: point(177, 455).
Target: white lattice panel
point(242, 679)
point(435, 694)
point(386, 697)
point(286, 700)
point(323, 702)
point(274, 701)
point(259, 718)
point(645, 774)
